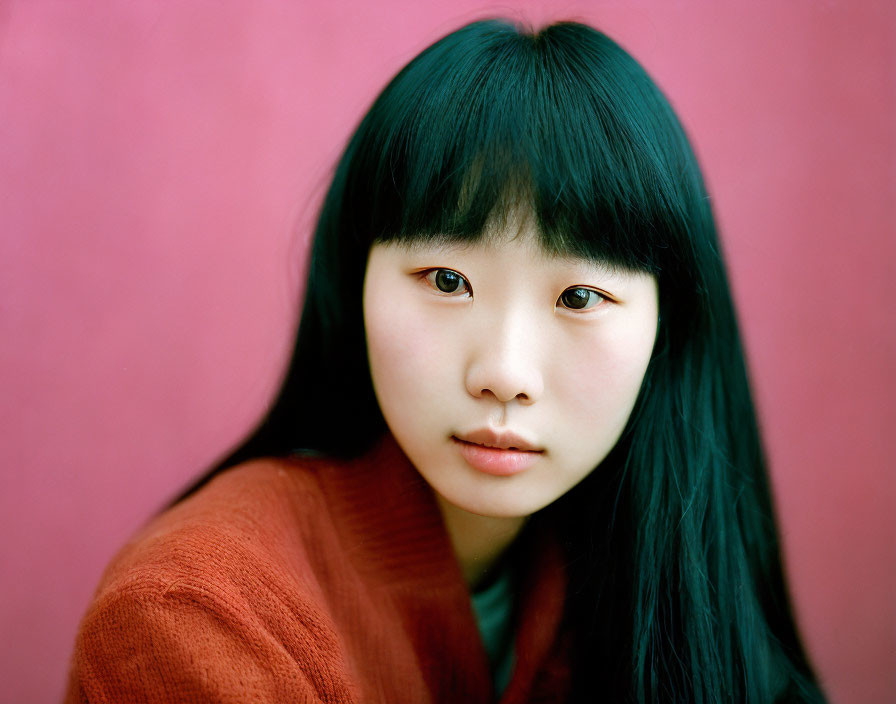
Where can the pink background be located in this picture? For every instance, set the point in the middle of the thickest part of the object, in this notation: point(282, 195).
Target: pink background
point(160, 165)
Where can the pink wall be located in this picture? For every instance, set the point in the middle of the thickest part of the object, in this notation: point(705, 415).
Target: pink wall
point(159, 168)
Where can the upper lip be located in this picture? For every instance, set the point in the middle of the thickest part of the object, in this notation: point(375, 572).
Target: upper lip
point(504, 440)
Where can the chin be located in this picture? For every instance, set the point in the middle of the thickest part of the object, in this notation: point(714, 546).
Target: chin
point(505, 503)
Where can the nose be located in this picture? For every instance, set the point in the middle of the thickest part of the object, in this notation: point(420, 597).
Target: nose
point(505, 364)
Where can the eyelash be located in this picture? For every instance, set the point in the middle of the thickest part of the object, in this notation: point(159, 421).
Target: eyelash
point(429, 276)
point(597, 294)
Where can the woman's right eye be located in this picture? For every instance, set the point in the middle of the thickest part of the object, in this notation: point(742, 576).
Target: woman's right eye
point(447, 281)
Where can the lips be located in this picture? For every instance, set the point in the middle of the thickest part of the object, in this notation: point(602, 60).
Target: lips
point(498, 454)
point(507, 440)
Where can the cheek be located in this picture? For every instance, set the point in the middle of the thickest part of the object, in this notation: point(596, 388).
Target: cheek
point(409, 359)
point(604, 384)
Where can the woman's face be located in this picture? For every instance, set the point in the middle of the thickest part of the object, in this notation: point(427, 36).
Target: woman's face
point(506, 375)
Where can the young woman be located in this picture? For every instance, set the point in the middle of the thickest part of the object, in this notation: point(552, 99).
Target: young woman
point(515, 455)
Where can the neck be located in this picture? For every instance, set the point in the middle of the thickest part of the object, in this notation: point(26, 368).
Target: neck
point(479, 542)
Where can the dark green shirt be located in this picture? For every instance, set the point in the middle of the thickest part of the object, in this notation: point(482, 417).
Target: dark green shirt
point(493, 607)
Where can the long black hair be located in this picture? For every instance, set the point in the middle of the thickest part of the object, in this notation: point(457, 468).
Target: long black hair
point(676, 589)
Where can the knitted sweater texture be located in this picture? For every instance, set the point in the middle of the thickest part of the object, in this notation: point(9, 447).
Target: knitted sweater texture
point(309, 580)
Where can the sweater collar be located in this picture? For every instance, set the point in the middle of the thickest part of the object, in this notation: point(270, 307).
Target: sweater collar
point(391, 522)
point(389, 513)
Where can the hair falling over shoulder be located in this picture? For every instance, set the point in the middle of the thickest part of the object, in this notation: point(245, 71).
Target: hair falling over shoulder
point(676, 581)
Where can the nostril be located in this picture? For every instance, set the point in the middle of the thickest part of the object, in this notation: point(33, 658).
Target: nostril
point(506, 388)
point(522, 396)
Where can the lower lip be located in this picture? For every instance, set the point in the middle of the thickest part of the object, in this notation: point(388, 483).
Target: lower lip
point(494, 460)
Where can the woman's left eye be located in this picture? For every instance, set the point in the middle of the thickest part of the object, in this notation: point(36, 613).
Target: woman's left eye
point(580, 298)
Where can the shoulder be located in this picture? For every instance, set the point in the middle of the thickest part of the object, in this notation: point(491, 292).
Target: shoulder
point(251, 519)
point(218, 591)
point(191, 641)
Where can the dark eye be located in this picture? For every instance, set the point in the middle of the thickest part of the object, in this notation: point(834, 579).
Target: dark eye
point(580, 298)
point(447, 281)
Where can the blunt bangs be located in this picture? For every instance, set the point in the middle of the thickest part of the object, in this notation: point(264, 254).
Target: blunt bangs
point(563, 124)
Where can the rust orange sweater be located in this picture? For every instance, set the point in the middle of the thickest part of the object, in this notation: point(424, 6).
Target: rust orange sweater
point(308, 581)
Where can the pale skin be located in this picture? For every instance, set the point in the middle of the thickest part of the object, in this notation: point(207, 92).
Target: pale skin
point(500, 337)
